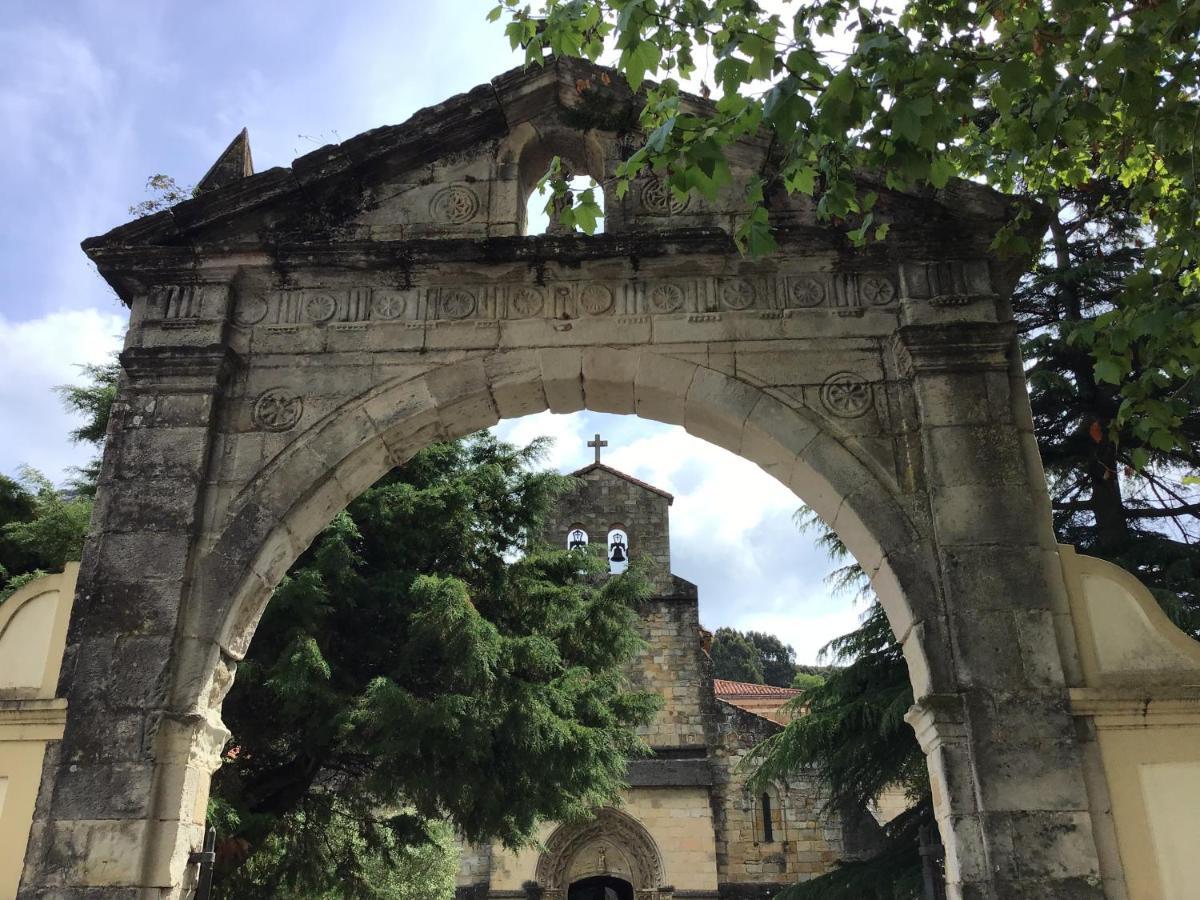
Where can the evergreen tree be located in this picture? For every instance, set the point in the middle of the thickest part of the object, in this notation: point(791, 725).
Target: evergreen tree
point(1117, 486)
point(752, 656)
point(426, 659)
point(735, 658)
point(778, 659)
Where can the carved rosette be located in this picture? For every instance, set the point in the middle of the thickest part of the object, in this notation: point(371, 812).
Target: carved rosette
point(738, 293)
point(666, 298)
point(457, 303)
point(877, 290)
point(527, 301)
point(319, 307)
point(596, 299)
point(846, 395)
point(455, 205)
point(389, 305)
point(659, 200)
point(806, 292)
point(250, 310)
point(277, 410)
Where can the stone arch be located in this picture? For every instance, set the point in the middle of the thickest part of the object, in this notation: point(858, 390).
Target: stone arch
point(279, 513)
point(296, 333)
point(610, 843)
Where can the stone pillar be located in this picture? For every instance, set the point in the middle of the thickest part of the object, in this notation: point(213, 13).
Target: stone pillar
point(1006, 767)
point(123, 798)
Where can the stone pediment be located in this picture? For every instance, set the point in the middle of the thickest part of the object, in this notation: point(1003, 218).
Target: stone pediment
point(464, 169)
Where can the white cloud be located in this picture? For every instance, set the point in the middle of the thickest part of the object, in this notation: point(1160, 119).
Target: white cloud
point(35, 357)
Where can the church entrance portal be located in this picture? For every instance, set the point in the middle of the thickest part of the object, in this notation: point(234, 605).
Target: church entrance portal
point(296, 333)
point(603, 887)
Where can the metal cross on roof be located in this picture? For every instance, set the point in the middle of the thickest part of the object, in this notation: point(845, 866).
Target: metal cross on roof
point(597, 443)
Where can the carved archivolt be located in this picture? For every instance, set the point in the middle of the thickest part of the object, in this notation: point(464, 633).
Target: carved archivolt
point(612, 843)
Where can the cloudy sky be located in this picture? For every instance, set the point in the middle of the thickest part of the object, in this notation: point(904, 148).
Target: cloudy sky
point(97, 95)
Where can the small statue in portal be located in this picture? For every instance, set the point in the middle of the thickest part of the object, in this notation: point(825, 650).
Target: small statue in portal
point(602, 860)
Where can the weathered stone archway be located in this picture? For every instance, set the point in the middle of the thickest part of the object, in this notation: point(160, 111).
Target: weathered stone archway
point(612, 843)
point(296, 333)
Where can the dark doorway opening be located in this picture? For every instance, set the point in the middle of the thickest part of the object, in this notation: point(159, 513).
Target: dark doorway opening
point(602, 887)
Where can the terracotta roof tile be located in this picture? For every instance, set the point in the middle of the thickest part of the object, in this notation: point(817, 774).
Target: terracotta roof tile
point(726, 689)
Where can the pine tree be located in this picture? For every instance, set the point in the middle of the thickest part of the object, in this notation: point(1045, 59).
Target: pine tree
point(426, 659)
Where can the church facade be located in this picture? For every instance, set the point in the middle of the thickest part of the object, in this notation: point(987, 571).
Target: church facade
point(689, 825)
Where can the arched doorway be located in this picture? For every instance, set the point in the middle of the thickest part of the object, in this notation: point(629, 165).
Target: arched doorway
point(601, 887)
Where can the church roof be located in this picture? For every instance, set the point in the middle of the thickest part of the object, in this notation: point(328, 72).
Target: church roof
point(740, 690)
point(601, 467)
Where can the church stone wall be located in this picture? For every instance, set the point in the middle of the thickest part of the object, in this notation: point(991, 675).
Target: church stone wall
point(805, 842)
point(672, 666)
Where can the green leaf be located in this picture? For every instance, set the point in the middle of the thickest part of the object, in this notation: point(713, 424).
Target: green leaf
point(906, 122)
point(1109, 370)
point(940, 172)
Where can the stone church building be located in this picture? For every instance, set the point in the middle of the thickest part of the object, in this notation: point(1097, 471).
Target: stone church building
point(689, 826)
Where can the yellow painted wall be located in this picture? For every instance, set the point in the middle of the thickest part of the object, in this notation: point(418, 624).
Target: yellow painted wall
point(33, 630)
point(1136, 683)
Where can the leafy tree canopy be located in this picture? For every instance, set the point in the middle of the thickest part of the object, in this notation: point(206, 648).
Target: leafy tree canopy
point(735, 658)
point(427, 659)
point(752, 656)
point(1032, 97)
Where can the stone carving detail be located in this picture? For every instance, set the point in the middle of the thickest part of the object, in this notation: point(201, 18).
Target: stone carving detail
point(666, 298)
point(877, 290)
point(609, 825)
point(251, 310)
point(846, 395)
point(457, 304)
point(182, 303)
point(455, 204)
point(527, 301)
point(277, 410)
point(807, 291)
point(738, 293)
point(320, 307)
point(596, 299)
point(659, 200)
point(705, 298)
point(389, 305)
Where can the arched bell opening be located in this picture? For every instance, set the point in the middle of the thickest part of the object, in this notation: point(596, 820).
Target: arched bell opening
point(582, 162)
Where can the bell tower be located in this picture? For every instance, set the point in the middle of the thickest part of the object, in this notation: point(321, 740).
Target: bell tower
point(625, 515)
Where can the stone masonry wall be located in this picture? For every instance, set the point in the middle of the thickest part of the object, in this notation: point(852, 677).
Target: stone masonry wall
point(671, 665)
point(805, 842)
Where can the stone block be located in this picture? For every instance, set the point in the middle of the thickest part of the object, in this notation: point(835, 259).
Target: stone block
point(562, 380)
point(1027, 776)
point(464, 402)
point(608, 379)
point(774, 434)
point(661, 387)
point(103, 790)
point(973, 454)
point(717, 407)
point(516, 382)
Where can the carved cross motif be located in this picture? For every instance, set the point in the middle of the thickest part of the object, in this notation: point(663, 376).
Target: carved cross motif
point(597, 443)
